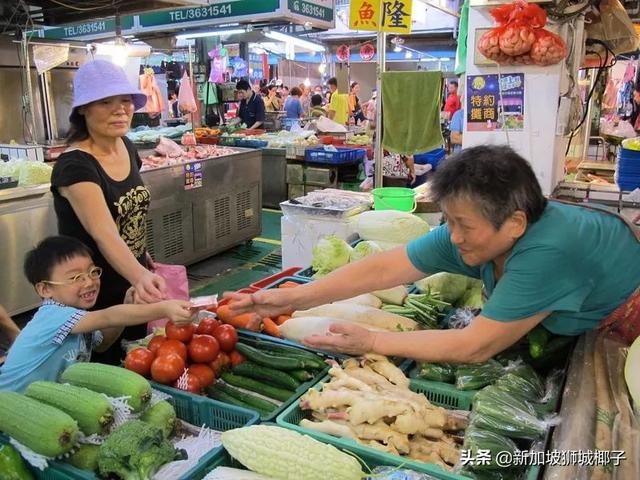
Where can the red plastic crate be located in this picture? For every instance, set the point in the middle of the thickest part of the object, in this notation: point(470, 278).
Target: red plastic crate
point(265, 282)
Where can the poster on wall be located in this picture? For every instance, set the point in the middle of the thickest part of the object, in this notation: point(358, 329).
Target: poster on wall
point(495, 102)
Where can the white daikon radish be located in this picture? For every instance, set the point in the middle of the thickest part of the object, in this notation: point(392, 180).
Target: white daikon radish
point(367, 299)
point(360, 314)
point(303, 326)
point(393, 296)
point(227, 473)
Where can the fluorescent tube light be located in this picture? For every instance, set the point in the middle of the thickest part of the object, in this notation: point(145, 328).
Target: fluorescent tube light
point(298, 42)
point(234, 31)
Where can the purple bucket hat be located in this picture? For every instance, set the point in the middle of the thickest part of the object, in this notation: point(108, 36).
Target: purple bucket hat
point(100, 79)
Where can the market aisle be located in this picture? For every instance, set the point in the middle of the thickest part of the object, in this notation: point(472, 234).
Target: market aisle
point(242, 265)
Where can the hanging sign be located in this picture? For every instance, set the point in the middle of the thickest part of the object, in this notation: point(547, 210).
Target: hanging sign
point(381, 15)
point(367, 52)
point(47, 57)
point(495, 102)
point(343, 53)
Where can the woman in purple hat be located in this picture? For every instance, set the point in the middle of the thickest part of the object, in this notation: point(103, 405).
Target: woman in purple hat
point(99, 196)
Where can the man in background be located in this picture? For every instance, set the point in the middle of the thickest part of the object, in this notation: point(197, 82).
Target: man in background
point(338, 108)
point(453, 104)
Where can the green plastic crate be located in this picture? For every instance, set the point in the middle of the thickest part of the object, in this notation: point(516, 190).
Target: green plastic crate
point(293, 415)
point(190, 408)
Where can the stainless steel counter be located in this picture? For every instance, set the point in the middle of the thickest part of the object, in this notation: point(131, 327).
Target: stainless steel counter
point(184, 225)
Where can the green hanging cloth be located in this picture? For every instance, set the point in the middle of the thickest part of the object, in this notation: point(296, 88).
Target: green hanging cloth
point(463, 33)
point(411, 124)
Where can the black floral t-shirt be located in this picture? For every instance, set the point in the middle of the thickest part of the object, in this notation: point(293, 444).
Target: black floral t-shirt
point(128, 201)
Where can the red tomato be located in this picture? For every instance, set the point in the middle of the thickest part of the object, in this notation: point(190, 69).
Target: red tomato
point(236, 358)
point(139, 360)
point(204, 373)
point(220, 364)
point(189, 383)
point(227, 337)
point(155, 343)
point(173, 346)
point(203, 349)
point(182, 333)
point(167, 368)
point(207, 326)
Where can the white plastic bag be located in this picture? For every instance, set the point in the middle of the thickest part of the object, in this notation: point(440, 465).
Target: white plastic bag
point(186, 99)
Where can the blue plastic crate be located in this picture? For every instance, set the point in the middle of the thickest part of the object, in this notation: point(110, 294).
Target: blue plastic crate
point(248, 143)
point(433, 158)
point(341, 156)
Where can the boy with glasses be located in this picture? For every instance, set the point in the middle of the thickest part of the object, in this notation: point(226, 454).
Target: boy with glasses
point(63, 331)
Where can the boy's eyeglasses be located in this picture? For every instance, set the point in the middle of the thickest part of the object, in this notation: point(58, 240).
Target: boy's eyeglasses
point(92, 274)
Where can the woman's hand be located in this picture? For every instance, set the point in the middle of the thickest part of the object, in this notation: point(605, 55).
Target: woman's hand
point(345, 338)
point(150, 287)
point(265, 303)
point(151, 265)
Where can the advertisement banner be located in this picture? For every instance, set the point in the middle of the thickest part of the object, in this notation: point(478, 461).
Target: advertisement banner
point(495, 102)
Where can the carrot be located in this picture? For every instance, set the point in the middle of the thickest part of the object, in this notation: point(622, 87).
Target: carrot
point(270, 328)
point(223, 313)
point(249, 321)
point(281, 319)
point(288, 285)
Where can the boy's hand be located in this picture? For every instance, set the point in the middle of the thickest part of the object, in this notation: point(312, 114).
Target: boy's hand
point(178, 310)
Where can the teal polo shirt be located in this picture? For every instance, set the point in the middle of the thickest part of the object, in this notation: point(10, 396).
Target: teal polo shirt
point(577, 263)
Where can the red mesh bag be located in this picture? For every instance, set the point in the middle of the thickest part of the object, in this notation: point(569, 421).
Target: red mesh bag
point(548, 49)
point(489, 44)
point(516, 39)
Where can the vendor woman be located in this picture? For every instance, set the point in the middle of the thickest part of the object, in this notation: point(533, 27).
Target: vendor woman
point(570, 268)
point(99, 197)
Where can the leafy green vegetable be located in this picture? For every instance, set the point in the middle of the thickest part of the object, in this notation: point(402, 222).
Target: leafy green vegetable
point(390, 226)
point(450, 285)
point(135, 451)
point(472, 298)
point(476, 376)
point(330, 254)
point(364, 249)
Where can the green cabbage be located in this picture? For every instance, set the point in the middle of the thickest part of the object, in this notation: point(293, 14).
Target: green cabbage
point(390, 226)
point(364, 249)
point(450, 286)
point(472, 298)
point(34, 173)
point(330, 254)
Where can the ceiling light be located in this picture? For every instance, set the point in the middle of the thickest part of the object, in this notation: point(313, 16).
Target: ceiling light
point(298, 42)
point(408, 55)
point(322, 67)
point(445, 59)
point(214, 33)
point(307, 82)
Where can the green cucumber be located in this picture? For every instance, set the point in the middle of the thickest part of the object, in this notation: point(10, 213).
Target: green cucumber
point(256, 402)
point(257, 387)
point(273, 361)
point(301, 375)
point(538, 339)
point(259, 372)
point(285, 351)
point(217, 394)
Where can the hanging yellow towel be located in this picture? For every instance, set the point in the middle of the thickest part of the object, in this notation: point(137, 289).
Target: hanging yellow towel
point(411, 112)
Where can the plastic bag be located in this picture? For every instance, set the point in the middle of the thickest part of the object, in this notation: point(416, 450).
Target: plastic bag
point(523, 381)
point(617, 31)
point(548, 48)
point(186, 99)
point(516, 39)
point(476, 376)
point(506, 416)
point(476, 439)
point(489, 45)
point(437, 372)
point(34, 173)
point(177, 287)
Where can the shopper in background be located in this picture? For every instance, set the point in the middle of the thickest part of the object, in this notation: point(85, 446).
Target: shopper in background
point(316, 107)
point(456, 126)
point(173, 105)
point(634, 120)
point(98, 193)
point(293, 105)
point(251, 110)
point(369, 107)
point(338, 108)
point(355, 109)
point(305, 98)
point(453, 104)
point(271, 100)
point(317, 90)
point(540, 260)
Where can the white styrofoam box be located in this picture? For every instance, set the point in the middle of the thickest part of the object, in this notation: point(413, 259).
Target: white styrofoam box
point(29, 152)
point(301, 233)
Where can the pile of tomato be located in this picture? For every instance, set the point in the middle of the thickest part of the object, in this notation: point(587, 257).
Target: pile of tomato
point(188, 357)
